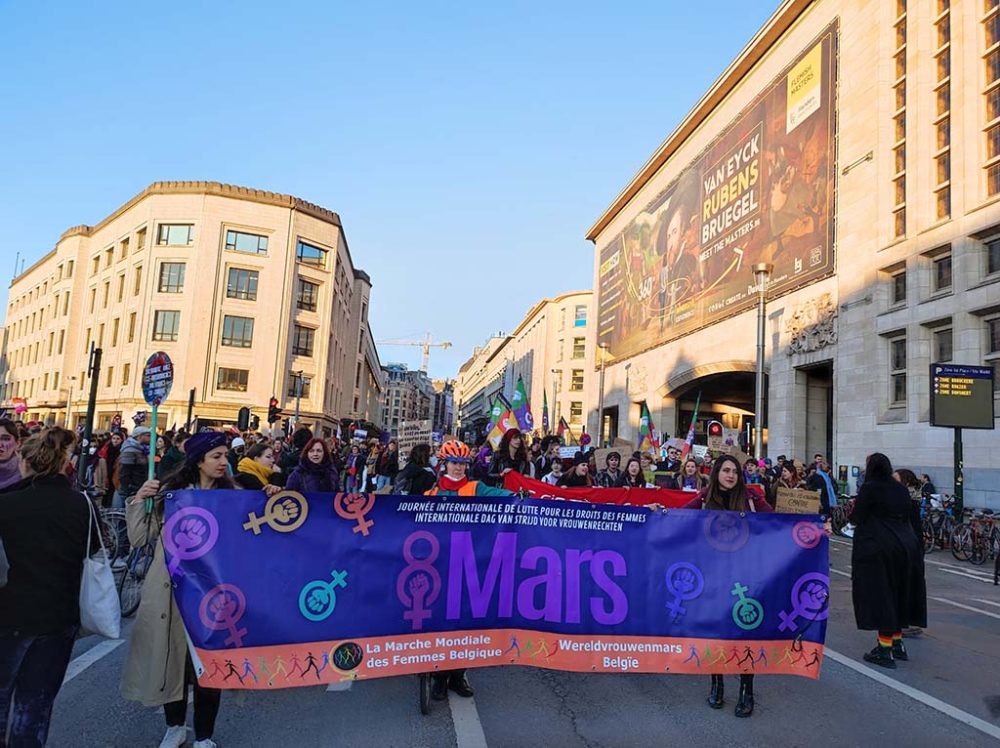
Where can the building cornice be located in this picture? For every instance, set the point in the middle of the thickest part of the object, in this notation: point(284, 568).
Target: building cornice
point(752, 53)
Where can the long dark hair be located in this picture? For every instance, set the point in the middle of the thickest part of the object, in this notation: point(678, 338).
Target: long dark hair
point(503, 451)
point(877, 468)
point(420, 455)
point(304, 454)
point(738, 499)
point(639, 481)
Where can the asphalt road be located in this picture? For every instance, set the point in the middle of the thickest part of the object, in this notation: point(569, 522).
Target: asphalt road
point(947, 694)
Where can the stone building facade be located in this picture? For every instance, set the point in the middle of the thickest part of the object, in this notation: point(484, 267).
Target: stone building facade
point(910, 274)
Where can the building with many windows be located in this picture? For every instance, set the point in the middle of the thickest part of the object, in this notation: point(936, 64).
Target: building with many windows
point(409, 397)
point(251, 293)
point(851, 150)
point(548, 350)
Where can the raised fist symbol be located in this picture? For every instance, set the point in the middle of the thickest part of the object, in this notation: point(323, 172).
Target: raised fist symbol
point(684, 581)
point(727, 530)
point(748, 613)
point(223, 607)
point(418, 586)
point(318, 600)
point(286, 510)
point(190, 533)
point(813, 596)
point(354, 501)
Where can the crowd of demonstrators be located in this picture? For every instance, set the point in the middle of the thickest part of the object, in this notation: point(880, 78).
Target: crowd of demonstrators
point(611, 476)
point(634, 477)
point(577, 476)
point(316, 471)
point(418, 476)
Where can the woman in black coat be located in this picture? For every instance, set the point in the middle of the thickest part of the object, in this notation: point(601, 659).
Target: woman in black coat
point(510, 455)
point(417, 477)
point(887, 563)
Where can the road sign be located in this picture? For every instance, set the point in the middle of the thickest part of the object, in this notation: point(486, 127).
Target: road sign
point(962, 396)
point(157, 378)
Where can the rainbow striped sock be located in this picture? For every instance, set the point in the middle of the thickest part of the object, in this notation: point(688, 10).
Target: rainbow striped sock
point(885, 641)
point(897, 637)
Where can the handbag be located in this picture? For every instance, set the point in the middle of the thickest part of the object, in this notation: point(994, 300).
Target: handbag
point(100, 608)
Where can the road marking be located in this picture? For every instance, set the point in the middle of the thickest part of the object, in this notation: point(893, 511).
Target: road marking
point(988, 602)
point(960, 567)
point(91, 656)
point(340, 685)
point(842, 573)
point(965, 607)
point(969, 576)
point(841, 542)
point(924, 698)
point(468, 728)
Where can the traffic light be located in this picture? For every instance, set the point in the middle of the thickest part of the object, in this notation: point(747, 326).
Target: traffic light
point(273, 411)
point(243, 419)
point(254, 422)
point(714, 429)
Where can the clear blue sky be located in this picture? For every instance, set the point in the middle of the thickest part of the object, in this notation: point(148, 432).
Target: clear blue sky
point(466, 146)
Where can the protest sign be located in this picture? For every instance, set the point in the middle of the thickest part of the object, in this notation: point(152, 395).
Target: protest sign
point(797, 501)
point(294, 587)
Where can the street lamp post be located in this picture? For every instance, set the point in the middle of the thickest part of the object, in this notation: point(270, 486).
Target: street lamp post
point(555, 397)
point(69, 400)
point(761, 272)
point(298, 397)
point(603, 349)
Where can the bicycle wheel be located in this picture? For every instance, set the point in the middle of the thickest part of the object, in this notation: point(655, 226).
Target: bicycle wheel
point(980, 549)
point(960, 540)
point(130, 585)
point(928, 528)
point(425, 693)
point(109, 534)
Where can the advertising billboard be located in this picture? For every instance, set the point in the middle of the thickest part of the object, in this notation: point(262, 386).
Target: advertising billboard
point(762, 191)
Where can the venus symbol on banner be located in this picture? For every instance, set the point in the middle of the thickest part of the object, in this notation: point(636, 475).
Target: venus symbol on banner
point(286, 511)
point(318, 598)
point(419, 583)
point(190, 533)
point(685, 582)
point(355, 506)
point(810, 598)
point(221, 609)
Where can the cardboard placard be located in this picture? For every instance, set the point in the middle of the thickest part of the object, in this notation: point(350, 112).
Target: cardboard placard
point(796, 501)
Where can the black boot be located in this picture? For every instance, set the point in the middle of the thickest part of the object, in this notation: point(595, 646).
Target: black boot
point(744, 707)
point(460, 684)
point(881, 656)
point(715, 696)
point(899, 651)
point(439, 686)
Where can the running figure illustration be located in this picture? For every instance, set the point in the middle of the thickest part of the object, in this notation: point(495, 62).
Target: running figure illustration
point(310, 665)
point(296, 665)
point(279, 669)
point(248, 670)
point(513, 646)
point(694, 656)
point(263, 670)
point(762, 656)
point(216, 670)
point(747, 657)
point(326, 661)
point(231, 670)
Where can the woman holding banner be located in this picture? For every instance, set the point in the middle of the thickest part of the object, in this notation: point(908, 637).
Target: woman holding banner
point(726, 491)
point(454, 482)
point(158, 670)
point(510, 456)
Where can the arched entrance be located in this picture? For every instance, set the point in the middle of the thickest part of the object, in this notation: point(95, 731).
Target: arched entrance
point(727, 390)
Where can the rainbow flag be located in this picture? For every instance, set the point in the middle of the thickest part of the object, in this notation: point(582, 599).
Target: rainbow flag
point(689, 442)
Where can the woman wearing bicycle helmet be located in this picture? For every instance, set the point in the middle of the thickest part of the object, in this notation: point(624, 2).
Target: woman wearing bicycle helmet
point(454, 481)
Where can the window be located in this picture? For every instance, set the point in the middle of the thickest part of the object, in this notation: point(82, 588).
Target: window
point(114, 332)
point(242, 284)
point(95, 264)
point(579, 347)
point(942, 273)
point(993, 179)
point(559, 349)
point(171, 277)
point(233, 380)
point(69, 269)
point(293, 384)
point(109, 256)
point(137, 286)
point(66, 304)
point(897, 370)
point(993, 66)
point(944, 99)
point(131, 327)
point(121, 287)
point(140, 239)
point(175, 234)
point(302, 340)
point(45, 382)
point(165, 324)
point(307, 296)
point(93, 299)
point(237, 332)
point(993, 102)
point(580, 316)
point(576, 381)
point(126, 374)
point(123, 249)
point(110, 377)
point(942, 345)
point(575, 411)
point(899, 288)
point(943, 202)
point(307, 254)
point(62, 338)
point(55, 380)
point(52, 341)
point(240, 241)
point(100, 335)
point(105, 293)
point(993, 256)
point(993, 335)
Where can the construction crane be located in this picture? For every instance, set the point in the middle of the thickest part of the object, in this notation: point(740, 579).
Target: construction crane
point(426, 344)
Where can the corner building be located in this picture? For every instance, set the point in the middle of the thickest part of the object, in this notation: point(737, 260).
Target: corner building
point(249, 292)
point(855, 147)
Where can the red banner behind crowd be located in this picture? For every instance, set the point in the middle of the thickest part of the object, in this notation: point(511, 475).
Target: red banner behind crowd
point(669, 498)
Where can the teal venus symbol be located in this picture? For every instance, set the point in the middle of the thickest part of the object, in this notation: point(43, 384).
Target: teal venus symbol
point(748, 613)
point(318, 598)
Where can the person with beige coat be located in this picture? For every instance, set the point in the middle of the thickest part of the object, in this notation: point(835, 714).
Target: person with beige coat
point(158, 669)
